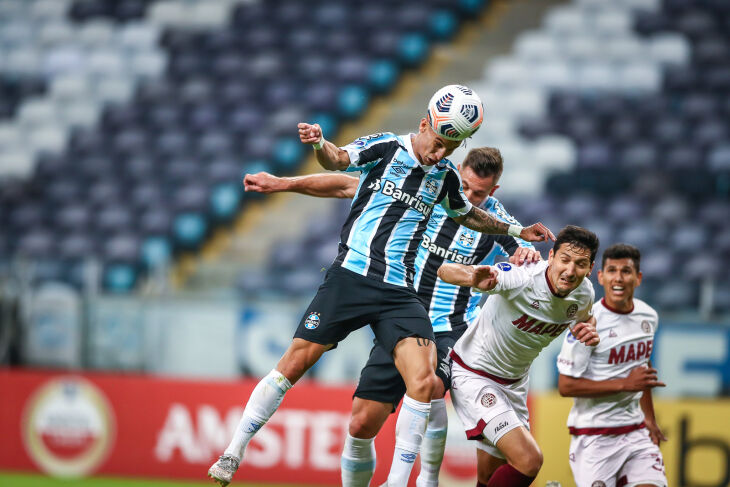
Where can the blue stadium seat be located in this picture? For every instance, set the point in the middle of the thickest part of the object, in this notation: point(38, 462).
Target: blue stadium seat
point(189, 230)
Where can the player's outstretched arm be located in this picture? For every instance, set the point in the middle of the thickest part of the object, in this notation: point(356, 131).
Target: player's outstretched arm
point(319, 185)
point(639, 379)
point(481, 277)
point(328, 154)
point(481, 221)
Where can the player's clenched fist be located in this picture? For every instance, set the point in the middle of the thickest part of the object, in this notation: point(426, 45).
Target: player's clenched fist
point(309, 134)
point(586, 333)
point(484, 277)
point(263, 182)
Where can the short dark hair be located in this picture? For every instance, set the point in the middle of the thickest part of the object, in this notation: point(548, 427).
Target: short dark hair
point(484, 161)
point(578, 236)
point(622, 251)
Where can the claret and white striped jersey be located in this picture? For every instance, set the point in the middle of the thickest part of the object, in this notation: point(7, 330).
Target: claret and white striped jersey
point(627, 340)
point(522, 316)
point(445, 240)
point(392, 207)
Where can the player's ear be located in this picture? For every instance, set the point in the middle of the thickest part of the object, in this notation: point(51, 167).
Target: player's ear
point(600, 277)
point(423, 125)
point(638, 280)
point(495, 188)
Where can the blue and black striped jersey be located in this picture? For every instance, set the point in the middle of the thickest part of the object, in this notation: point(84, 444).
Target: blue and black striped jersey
point(393, 204)
point(447, 241)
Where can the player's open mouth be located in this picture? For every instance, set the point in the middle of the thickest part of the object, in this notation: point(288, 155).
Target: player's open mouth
point(617, 289)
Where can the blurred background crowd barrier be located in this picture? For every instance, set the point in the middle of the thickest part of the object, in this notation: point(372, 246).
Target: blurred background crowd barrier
point(132, 261)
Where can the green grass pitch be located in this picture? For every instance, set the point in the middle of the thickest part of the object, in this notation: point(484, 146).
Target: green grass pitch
point(34, 480)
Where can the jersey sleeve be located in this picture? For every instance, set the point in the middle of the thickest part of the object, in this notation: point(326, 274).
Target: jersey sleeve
point(452, 198)
point(510, 279)
point(495, 208)
point(574, 357)
point(366, 152)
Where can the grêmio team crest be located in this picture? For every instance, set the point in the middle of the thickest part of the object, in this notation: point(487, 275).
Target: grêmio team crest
point(312, 321)
point(467, 237)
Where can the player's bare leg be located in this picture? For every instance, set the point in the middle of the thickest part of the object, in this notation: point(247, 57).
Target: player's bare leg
point(486, 466)
point(358, 456)
point(264, 401)
point(524, 460)
point(414, 358)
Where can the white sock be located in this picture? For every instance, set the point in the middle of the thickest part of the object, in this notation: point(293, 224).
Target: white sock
point(357, 462)
point(264, 401)
point(434, 444)
point(409, 430)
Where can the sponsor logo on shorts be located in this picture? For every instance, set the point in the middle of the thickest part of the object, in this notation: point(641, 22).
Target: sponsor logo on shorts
point(501, 426)
point(571, 457)
point(572, 310)
point(598, 483)
point(312, 321)
point(612, 334)
point(504, 266)
point(565, 361)
point(488, 400)
point(445, 367)
point(646, 326)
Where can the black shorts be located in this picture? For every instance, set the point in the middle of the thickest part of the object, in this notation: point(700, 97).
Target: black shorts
point(347, 301)
point(380, 380)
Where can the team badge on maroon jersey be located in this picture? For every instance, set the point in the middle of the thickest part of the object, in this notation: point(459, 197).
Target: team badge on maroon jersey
point(646, 326)
point(572, 310)
point(488, 400)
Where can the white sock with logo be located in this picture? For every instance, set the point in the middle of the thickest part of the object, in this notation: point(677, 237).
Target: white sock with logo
point(264, 401)
point(409, 430)
point(434, 444)
point(357, 462)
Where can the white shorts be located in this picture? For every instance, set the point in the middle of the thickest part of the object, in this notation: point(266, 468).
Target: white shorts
point(616, 460)
point(488, 410)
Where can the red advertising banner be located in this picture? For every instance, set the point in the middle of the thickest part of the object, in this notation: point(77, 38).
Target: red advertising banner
point(85, 424)
point(125, 425)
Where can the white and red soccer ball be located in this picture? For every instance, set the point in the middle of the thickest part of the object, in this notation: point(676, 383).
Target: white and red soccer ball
point(455, 112)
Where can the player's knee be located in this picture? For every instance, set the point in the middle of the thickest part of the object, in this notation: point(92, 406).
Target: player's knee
point(298, 359)
point(439, 389)
point(421, 387)
point(362, 426)
point(529, 462)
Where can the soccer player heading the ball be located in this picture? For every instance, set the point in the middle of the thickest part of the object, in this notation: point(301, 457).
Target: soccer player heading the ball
point(371, 280)
point(450, 308)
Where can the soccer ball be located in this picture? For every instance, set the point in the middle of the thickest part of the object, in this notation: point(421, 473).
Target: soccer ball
point(455, 112)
